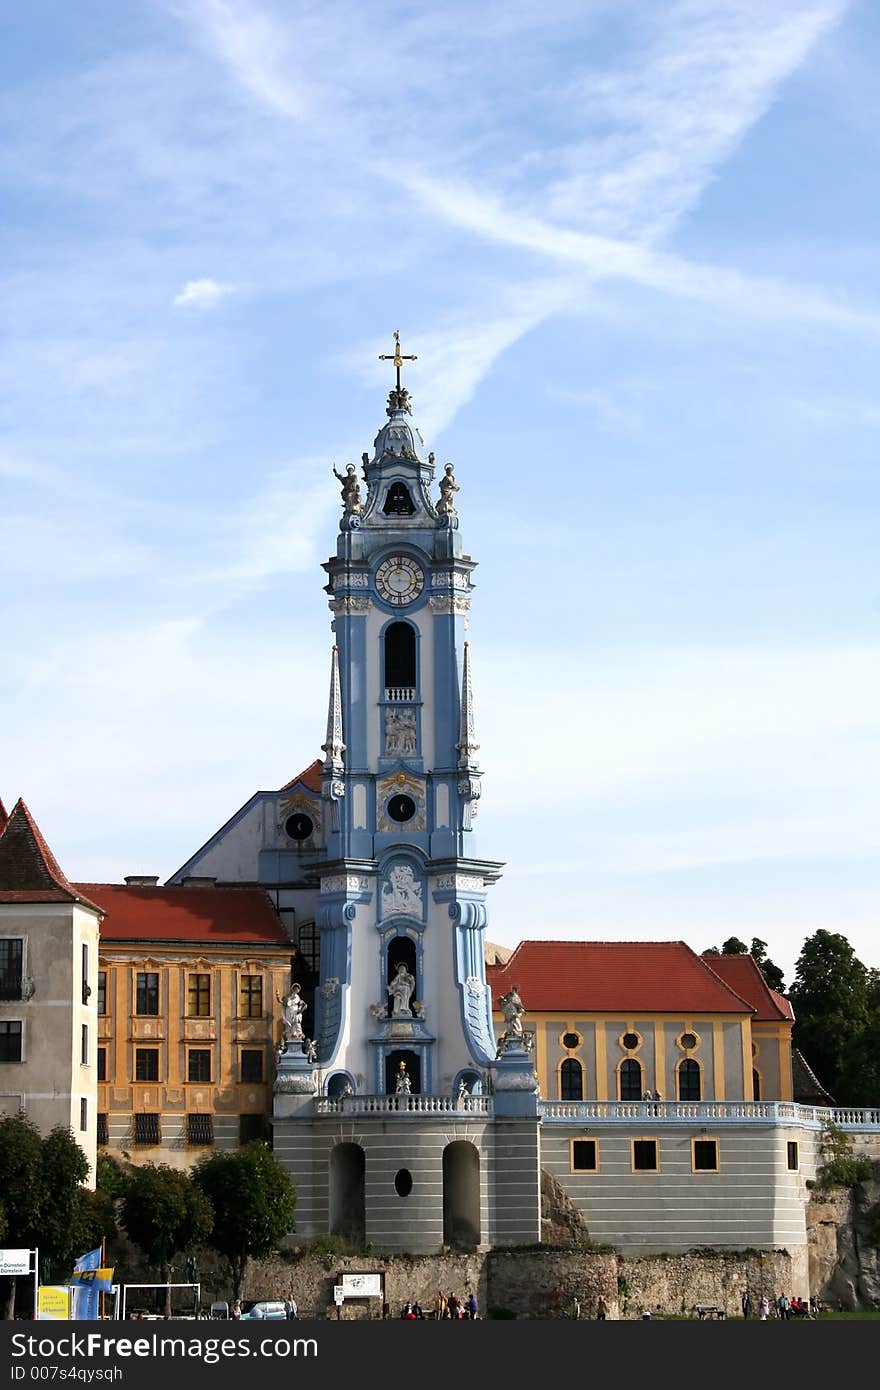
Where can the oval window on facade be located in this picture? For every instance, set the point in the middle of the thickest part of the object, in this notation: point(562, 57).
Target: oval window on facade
point(299, 826)
point(631, 1041)
point(403, 1182)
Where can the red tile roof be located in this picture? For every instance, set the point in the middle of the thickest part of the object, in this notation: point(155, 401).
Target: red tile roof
point(3, 818)
point(29, 871)
point(627, 977)
point(310, 777)
point(218, 916)
point(743, 974)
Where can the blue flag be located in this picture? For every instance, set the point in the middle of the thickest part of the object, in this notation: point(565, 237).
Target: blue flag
point(86, 1282)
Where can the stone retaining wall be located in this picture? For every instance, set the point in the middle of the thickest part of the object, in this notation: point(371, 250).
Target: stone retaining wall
point(534, 1283)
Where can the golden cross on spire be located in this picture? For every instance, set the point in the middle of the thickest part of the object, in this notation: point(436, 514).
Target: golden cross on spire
point(397, 357)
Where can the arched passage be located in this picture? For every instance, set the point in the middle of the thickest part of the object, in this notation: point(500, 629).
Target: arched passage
point(461, 1195)
point(348, 1208)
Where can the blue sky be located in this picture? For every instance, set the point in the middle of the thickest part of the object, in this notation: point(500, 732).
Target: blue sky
point(634, 246)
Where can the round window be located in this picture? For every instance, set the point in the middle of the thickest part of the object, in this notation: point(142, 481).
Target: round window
point(299, 826)
point(571, 1041)
point(688, 1039)
point(401, 808)
point(630, 1040)
point(403, 1182)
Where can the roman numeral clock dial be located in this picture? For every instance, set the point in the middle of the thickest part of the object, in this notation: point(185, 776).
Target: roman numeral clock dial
point(399, 580)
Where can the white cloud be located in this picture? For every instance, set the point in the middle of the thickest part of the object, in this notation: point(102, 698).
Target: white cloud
point(202, 294)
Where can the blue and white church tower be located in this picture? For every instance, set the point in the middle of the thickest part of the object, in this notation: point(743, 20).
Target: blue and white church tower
point(404, 1121)
point(405, 1113)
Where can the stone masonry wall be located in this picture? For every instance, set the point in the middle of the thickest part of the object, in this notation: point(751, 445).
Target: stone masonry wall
point(534, 1283)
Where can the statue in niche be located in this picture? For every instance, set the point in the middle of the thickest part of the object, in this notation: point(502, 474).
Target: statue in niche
point(351, 491)
point(513, 1010)
point(400, 730)
point(448, 488)
point(401, 892)
point(463, 1095)
point(293, 1006)
point(402, 1084)
point(401, 989)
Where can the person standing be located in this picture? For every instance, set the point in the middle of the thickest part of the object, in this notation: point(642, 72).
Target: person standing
point(235, 1310)
point(439, 1305)
point(746, 1305)
point(601, 1309)
point(763, 1308)
point(470, 1306)
point(291, 1310)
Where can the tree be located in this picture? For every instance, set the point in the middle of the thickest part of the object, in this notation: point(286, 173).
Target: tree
point(833, 1000)
point(21, 1163)
point(861, 1057)
point(164, 1213)
point(42, 1187)
point(734, 947)
point(772, 973)
point(253, 1200)
point(65, 1169)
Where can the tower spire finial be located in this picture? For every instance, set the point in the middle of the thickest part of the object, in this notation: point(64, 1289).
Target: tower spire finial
point(398, 357)
point(398, 399)
point(333, 746)
point(467, 738)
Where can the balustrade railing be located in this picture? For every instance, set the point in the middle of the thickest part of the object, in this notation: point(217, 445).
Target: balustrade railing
point(403, 1105)
point(400, 694)
point(718, 1111)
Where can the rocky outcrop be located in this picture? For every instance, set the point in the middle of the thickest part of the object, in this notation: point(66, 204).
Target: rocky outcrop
point(843, 1231)
point(561, 1222)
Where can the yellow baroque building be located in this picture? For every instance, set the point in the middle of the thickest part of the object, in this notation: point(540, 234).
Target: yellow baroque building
point(187, 1017)
point(635, 1020)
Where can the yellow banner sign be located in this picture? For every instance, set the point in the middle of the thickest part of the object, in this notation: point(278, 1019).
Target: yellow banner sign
point(53, 1302)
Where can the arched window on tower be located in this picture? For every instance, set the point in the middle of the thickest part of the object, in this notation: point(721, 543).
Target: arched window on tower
point(398, 502)
point(400, 661)
point(689, 1087)
point(571, 1080)
point(630, 1079)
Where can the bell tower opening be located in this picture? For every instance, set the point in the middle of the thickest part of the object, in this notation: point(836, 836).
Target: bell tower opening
point(398, 502)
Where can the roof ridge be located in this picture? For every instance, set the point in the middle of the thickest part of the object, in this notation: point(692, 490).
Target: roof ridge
point(758, 974)
point(313, 769)
point(714, 973)
point(26, 855)
point(4, 817)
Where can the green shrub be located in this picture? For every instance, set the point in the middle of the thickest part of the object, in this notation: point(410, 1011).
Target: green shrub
point(840, 1167)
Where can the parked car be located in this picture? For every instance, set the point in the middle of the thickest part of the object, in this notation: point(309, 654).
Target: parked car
point(264, 1308)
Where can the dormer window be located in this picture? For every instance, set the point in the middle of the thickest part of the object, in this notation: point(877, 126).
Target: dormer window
point(398, 502)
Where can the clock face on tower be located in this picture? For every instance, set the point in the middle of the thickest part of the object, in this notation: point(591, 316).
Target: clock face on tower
point(399, 580)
